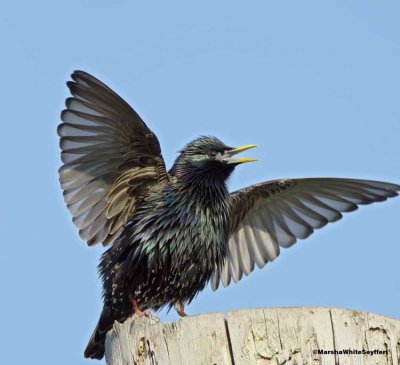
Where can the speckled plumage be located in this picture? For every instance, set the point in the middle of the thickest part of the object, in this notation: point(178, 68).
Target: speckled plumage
point(173, 232)
point(169, 246)
point(168, 249)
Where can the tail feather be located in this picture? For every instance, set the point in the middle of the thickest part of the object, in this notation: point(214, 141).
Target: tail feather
point(96, 346)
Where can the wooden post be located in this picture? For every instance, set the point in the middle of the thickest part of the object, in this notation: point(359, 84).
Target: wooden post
point(270, 336)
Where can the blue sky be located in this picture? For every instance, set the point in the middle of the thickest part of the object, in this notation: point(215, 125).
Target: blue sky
point(315, 84)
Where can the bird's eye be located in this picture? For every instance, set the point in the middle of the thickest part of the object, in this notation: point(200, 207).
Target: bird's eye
point(212, 153)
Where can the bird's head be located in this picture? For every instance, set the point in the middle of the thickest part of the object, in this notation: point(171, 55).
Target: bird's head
point(209, 160)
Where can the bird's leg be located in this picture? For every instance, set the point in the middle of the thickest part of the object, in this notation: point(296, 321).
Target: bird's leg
point(138, 312)
point(180, 309)
point(181, 313)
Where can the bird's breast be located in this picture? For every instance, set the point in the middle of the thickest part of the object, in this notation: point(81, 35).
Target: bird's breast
point(201, 233)
point(182, 231)
point(173, 244)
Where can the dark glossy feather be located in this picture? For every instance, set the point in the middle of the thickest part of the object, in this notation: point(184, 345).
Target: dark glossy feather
point(172, 233)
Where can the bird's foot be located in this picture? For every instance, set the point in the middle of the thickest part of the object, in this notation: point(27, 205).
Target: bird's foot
point(153, 318)
point(181, 313)
point(180, 309)
point(138, 313)
point(148, 313)
point(135, 306)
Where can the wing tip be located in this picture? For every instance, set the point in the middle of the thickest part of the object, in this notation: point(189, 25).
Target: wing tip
point(79, 74)
point(70, 85)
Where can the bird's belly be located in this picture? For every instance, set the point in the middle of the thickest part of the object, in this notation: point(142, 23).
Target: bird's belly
point(182, 266)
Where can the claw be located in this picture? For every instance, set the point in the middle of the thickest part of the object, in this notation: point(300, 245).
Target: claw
point(180, 309)
point(138, 313)
point(148, 313)
point(181, 313)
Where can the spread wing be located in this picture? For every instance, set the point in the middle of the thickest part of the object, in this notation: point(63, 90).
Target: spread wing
point(110, 158)
point(274, 214)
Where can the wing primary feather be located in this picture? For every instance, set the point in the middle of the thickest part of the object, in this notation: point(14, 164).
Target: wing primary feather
point(215, 279)
point(254, 251)
point(234, 267)
point(265, 242)
point(73, 195)
point(79, 207)
point(331, 214)
point(225, 274)
point(315, 219)
point(88, 216)
point(245, 263)
point(282, 224)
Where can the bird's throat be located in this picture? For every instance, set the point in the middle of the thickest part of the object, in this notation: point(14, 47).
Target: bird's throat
point(208, 190)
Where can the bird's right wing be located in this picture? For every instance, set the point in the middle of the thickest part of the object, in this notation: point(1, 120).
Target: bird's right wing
point(110, 158)
point(274, 214)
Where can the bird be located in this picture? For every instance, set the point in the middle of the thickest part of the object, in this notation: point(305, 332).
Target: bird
point(172, 232)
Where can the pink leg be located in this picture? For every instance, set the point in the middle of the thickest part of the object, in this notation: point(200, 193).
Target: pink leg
point(138, 313)
point(180, 309)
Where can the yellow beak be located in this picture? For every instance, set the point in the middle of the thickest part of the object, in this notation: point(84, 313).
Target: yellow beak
point(228, 154)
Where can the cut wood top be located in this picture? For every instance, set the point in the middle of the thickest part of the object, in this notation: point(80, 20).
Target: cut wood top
point(265, 336)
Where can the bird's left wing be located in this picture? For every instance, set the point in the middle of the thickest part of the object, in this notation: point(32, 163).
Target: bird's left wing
point(274, 214)
point(110, 158)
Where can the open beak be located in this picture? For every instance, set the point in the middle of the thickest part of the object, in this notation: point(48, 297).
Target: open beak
point(227, 157)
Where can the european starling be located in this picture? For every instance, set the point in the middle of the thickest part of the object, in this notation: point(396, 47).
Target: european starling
point(173, 232)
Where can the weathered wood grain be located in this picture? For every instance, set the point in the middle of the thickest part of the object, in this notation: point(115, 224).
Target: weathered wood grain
point(193, 340)
point(269, 336)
